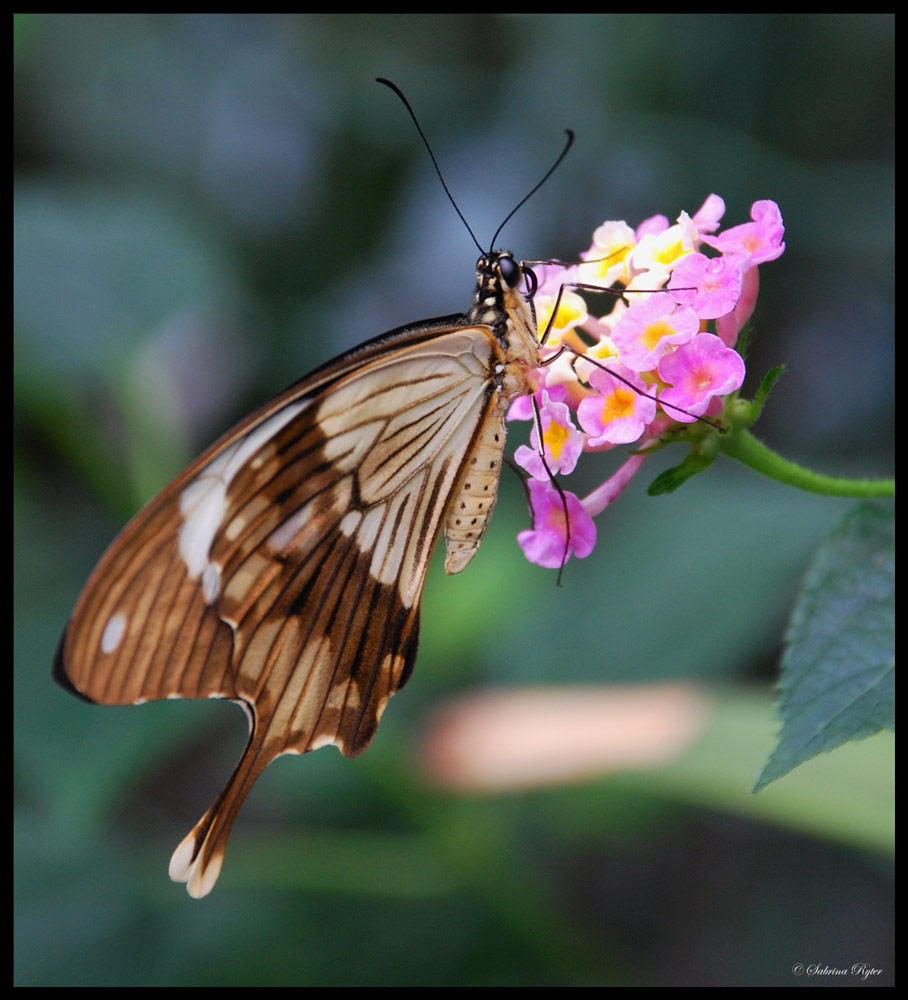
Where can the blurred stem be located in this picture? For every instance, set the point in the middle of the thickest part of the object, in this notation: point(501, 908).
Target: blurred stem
point(744, 447)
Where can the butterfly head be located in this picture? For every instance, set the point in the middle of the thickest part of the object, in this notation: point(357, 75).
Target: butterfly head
point(498, 279)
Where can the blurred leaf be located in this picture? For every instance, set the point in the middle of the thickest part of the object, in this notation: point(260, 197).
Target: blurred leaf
point(838, 674)
point(847, 797)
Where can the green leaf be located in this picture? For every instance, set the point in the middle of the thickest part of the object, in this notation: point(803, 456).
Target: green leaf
point(667, 482)
point(838, 672)
point(769, 380)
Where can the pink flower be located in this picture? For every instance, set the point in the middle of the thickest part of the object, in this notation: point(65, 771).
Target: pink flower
point(547, 543)
point(604, 262)
point(620, 411)
point(649, 329)
point(697, 372)
point(561, 441)
point(710, 286)
point(652, 226)
point(709, 214)
point(762, 238)
point(642, 366)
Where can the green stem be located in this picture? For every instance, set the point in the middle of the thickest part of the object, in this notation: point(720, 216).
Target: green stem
point(744, 447)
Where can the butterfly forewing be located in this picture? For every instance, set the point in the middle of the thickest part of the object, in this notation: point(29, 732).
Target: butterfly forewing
point(284, 568)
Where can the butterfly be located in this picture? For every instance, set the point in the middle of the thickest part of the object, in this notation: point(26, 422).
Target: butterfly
point(283, 569)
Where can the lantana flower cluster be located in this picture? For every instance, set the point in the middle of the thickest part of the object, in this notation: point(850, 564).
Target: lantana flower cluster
point(661, 357)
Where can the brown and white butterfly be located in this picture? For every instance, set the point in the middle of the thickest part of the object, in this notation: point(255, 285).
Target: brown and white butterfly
point(284, 568)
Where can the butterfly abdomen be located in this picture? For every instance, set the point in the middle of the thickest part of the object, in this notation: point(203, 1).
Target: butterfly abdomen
point(474, 498)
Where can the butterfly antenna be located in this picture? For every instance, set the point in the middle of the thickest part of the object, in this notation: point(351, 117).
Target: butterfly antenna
point(422, 135)
point(526, 197)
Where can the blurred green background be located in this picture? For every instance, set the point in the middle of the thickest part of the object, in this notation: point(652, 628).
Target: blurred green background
point(208, 206)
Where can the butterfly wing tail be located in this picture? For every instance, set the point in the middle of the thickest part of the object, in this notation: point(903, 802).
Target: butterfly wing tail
point(198, 858)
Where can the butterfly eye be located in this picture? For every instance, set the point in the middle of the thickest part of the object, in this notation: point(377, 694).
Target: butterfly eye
point(510, 271)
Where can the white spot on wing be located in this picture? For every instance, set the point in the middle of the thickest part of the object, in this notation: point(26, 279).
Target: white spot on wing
point(281, 537)
point(200, 526)
point(350, 522)
point(204, 501)
point(211, 582)
point(113, 632)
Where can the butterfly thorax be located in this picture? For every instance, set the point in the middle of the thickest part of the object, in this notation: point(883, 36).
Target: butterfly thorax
point(500, 306)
